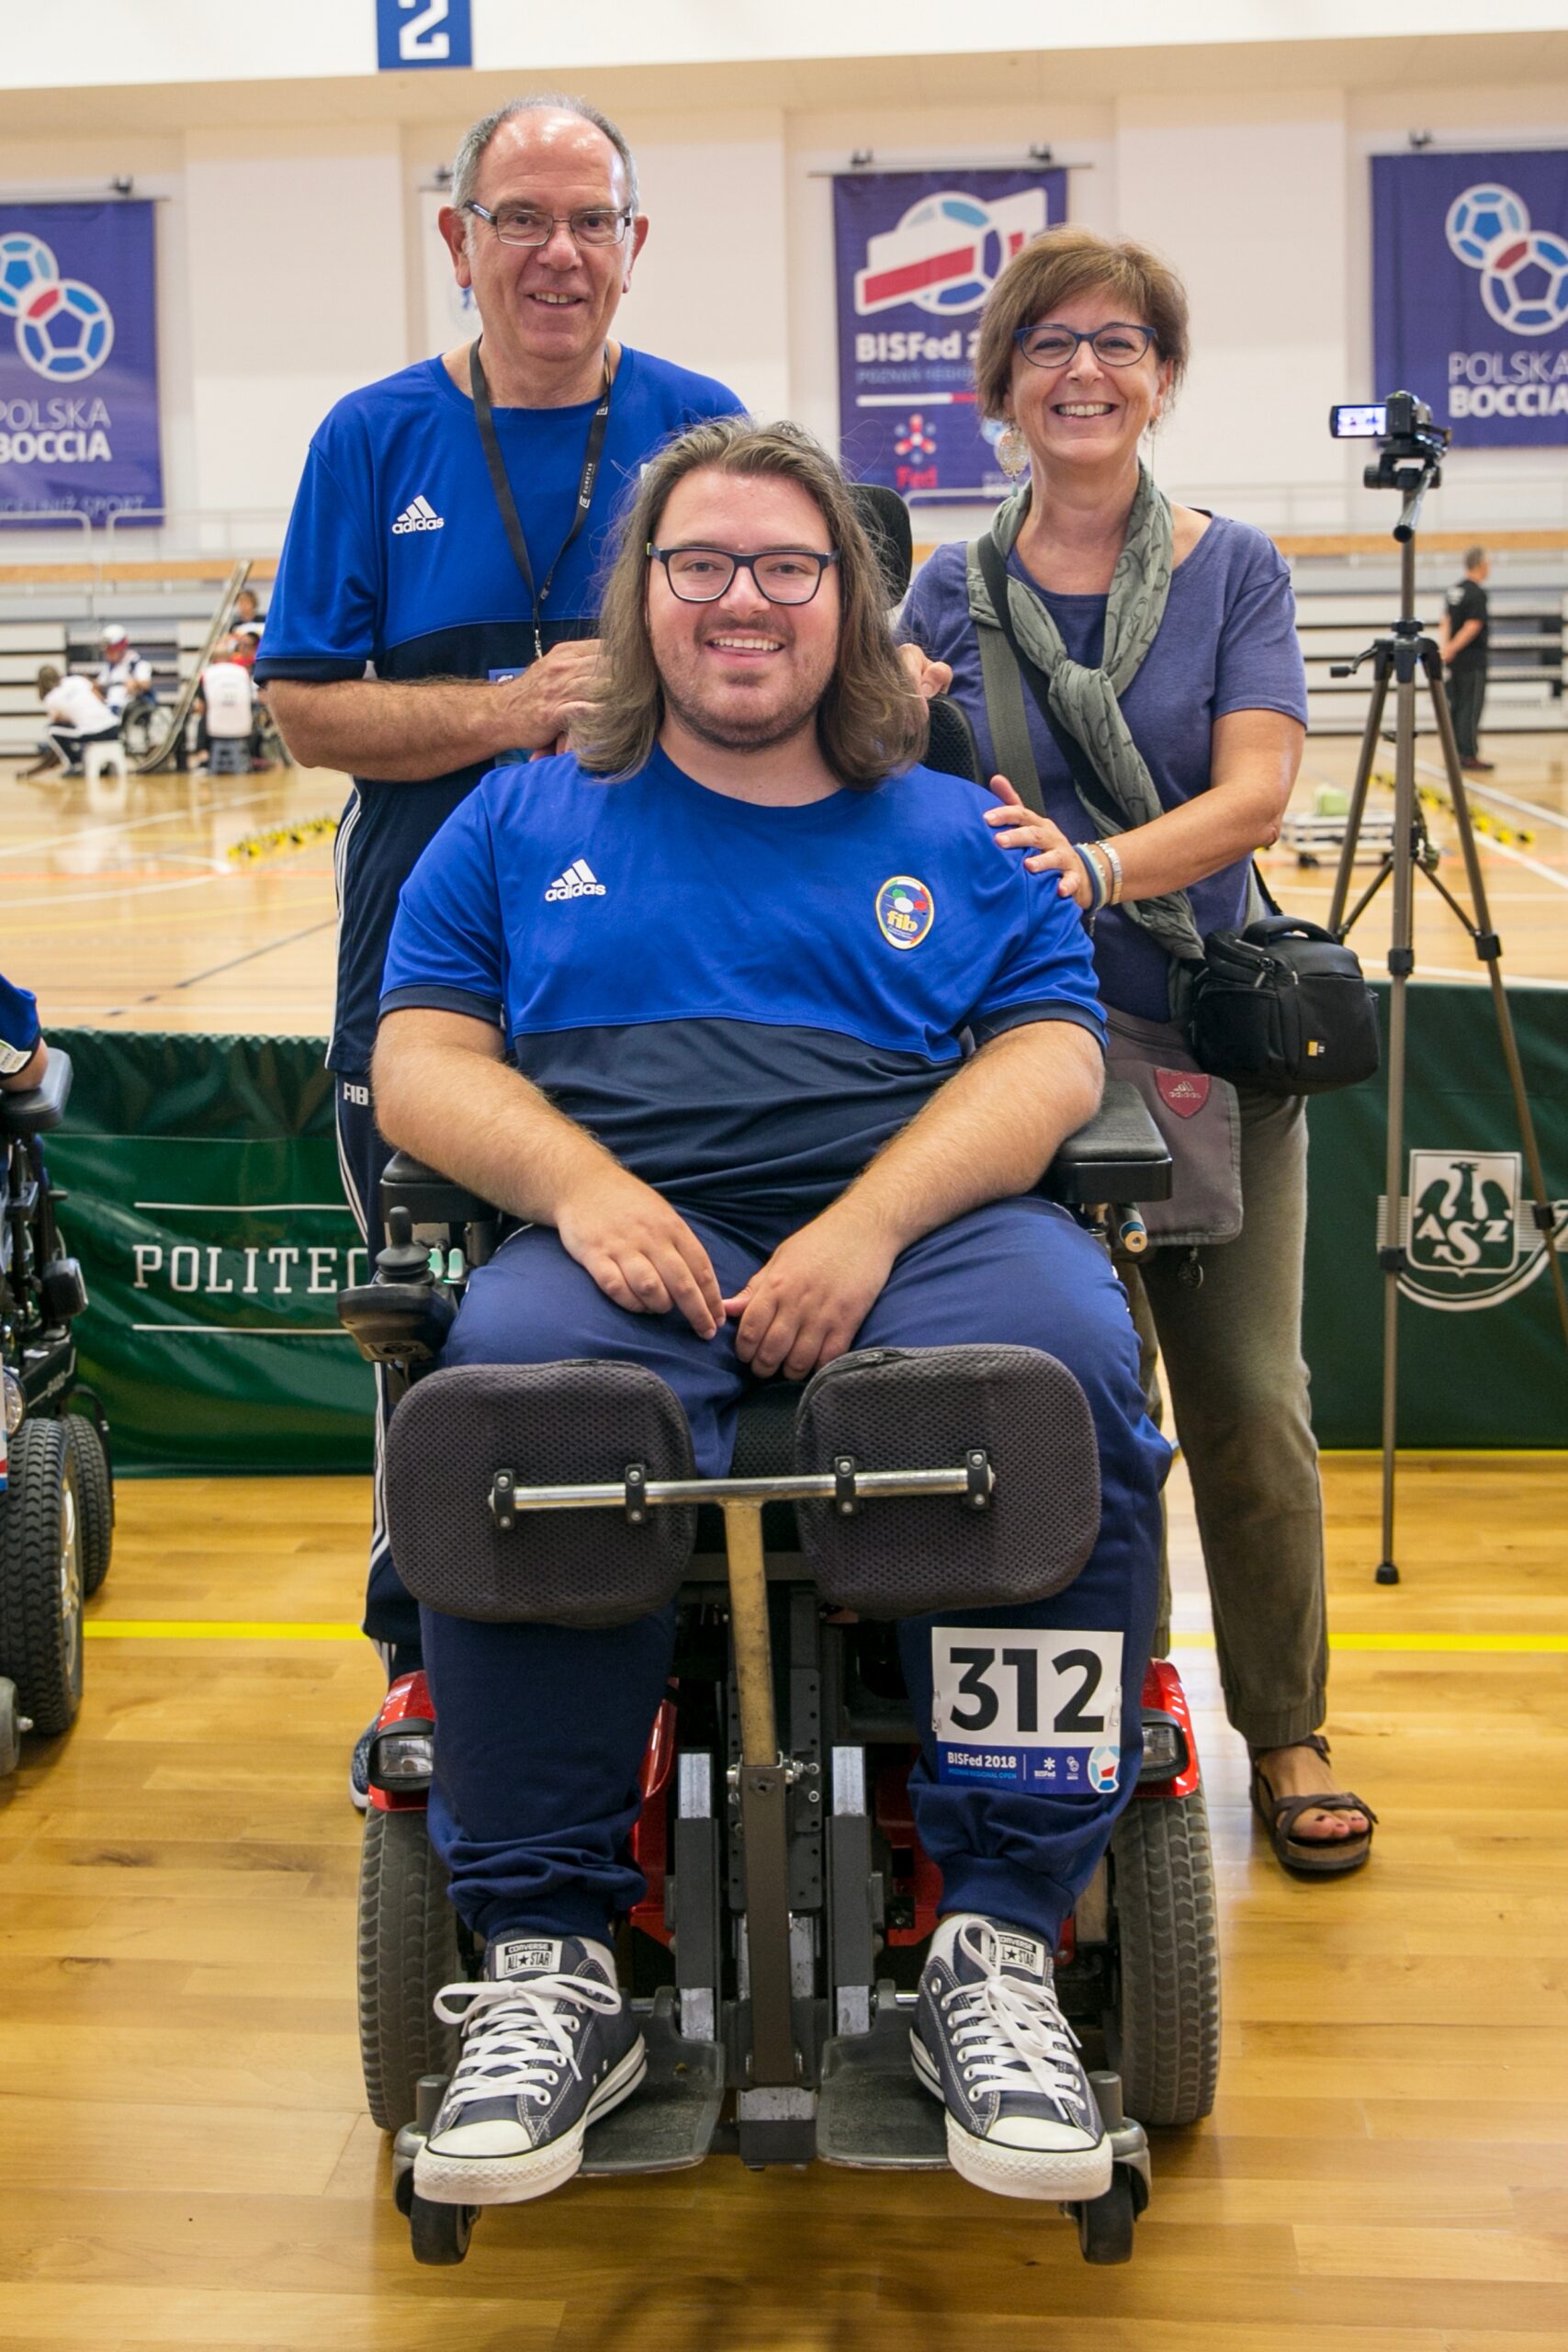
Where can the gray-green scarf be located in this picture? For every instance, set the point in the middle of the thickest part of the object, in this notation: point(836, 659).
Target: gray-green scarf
point(1085, 700)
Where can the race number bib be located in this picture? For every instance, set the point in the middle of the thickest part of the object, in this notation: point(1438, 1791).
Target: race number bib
point(1025, 1706)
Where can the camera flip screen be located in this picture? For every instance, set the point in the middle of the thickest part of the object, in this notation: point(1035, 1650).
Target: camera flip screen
point(1359, 420)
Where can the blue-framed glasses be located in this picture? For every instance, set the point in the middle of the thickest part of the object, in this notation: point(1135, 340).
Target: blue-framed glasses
point(1116, 345)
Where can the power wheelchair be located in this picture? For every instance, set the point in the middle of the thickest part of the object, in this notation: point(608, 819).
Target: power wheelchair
point(774, 1954)
point(56, 1478)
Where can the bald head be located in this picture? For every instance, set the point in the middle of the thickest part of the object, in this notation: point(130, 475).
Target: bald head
point(548, 126)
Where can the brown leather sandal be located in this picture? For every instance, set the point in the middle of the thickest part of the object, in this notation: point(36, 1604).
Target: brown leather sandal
point(1281, 1814)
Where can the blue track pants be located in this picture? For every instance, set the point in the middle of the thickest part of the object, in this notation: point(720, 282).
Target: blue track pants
point(542, 1728)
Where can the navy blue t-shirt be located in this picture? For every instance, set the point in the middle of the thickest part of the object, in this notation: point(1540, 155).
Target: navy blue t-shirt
point(743, 1003)
point(396, 556)
point(1227, 642)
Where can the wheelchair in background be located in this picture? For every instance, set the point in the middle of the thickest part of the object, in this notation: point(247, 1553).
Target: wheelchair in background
point(773, 1958)
point(57, 1503)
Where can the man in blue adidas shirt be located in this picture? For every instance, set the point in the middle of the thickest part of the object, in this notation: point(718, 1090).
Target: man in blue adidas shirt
point(695, 1006)
point(400, 554)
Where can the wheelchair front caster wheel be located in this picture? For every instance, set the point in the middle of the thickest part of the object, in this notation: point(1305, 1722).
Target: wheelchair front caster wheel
point(1106, 2224)
point(439, 2234)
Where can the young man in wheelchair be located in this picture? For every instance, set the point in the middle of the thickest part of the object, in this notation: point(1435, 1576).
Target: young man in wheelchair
point(751, 1022)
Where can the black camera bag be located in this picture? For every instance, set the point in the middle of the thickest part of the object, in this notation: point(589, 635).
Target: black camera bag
point(1282, 1006)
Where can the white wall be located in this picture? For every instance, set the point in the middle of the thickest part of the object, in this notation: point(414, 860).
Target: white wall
point(298, 292)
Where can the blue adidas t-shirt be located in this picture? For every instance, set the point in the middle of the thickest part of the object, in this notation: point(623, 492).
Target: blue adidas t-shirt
point(396, 556)
point(743, 1003)
point(1227, 642)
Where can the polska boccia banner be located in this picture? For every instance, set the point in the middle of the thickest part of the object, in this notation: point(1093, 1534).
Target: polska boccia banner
point(78, 362)
point(1469, 291)
point(917, 253)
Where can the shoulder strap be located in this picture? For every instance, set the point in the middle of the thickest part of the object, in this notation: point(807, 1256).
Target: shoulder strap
point(1091, 786)
point(1008, 721)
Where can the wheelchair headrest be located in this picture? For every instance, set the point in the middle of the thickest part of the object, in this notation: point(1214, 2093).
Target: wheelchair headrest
point(885, 520)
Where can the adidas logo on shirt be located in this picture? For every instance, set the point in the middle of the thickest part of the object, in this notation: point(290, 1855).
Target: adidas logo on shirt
point(418, 515)
point(579, 881)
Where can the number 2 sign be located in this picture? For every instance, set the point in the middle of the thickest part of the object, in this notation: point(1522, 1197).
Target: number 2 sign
point(410, 33)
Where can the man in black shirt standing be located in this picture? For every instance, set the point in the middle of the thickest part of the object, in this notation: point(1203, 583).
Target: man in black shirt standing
point(1461, 641)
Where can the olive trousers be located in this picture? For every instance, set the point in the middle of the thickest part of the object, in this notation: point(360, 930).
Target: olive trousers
point(1231, 1349)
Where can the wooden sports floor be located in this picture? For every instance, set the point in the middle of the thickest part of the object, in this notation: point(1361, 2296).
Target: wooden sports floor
point(184, 2156)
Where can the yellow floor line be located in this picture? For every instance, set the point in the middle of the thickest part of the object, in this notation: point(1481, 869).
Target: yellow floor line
point(236, 1629)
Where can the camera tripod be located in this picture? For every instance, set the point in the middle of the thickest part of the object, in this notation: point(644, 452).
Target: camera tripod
point(1401, 657)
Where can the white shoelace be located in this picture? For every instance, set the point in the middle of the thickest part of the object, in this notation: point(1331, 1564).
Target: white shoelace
point(518, 2033)
point(1008, 2033)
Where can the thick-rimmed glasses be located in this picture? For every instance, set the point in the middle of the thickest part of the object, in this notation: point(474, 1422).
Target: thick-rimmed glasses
point(1116, 345)
point(784, 575)
point(522, 224)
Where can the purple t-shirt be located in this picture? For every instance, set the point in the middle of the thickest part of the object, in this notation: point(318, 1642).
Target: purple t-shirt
point(1227, 642)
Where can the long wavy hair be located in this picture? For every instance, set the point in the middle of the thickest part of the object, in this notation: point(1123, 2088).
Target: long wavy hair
point(871, 723)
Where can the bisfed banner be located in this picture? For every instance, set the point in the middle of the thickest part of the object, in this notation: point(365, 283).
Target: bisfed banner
point(917, 255)
point(1481, 1355)
point(1469, 291)
point(206, 1212)
point(78, 361)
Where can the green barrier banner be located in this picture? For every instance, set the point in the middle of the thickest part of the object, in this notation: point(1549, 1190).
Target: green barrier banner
point(1481, 1359)
point(206, 1212)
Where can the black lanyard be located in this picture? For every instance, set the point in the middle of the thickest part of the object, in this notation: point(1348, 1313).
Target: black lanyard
point(502, 487)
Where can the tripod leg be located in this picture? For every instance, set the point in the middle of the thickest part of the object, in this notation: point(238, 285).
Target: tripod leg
point(1489, 947)
point(1370, 735)
point(1401, 962)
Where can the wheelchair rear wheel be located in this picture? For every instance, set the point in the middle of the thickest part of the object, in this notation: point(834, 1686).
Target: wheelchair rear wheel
point(1163, 1888)
point(408, 1950)
point(40, 1578)
point(94, 1499)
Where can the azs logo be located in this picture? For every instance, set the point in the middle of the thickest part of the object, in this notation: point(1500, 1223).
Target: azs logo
point(64, 328)
point(1470, 1240)
point(947, 252)
point(1524, 271)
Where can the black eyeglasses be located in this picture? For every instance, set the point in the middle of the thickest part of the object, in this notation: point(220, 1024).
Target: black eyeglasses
point(784, 575)
point(522, 224)
point(1117, 345)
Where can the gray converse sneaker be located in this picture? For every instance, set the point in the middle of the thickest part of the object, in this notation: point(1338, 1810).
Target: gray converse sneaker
point(548, 2046)
point(990, 2041)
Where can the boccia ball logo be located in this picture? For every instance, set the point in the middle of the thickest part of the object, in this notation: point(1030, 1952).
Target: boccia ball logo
point(905, 910)
point(64, 328)
point(1524, 271)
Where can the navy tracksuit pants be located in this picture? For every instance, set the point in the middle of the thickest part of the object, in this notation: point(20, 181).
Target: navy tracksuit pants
point(542, 1728)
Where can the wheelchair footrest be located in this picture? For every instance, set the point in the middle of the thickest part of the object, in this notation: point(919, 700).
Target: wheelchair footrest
point(670, 2120)
point(872, 2113)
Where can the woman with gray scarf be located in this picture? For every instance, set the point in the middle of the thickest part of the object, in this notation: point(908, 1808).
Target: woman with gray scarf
point(1132, 669)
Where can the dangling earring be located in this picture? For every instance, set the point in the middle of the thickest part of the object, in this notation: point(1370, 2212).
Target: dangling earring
point(1012, 452)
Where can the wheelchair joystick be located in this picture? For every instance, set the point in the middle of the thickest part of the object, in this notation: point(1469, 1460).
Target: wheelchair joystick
point(402, 1260)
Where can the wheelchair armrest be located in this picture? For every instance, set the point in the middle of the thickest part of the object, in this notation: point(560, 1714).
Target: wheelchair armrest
point(429, 1197)
point(1121, 1155)
point(33, 1110)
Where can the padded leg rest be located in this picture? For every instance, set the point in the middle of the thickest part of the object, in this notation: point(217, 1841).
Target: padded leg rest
point(551, 1425)
point(925, 1408)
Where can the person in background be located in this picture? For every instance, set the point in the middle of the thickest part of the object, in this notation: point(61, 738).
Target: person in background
point(124, 675)
point(1167, 637)
point(224, 699)
point(249, 618)
point(1461, 641)
point(450, 529)
point(77, 715)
